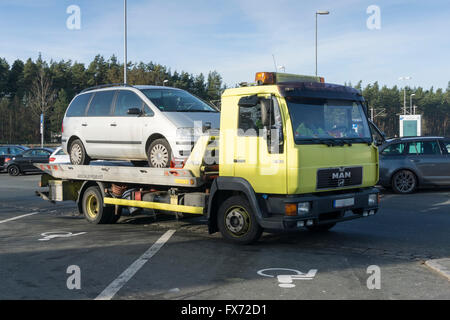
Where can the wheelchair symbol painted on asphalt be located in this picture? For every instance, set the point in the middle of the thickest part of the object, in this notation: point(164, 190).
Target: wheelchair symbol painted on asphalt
point(286, 280)
point(58, 234)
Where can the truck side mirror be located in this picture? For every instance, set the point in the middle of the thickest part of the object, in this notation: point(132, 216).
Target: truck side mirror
point(266, 111)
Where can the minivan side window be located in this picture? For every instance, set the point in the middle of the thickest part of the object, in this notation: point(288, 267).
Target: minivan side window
point(126, 100)
point(78, 106)
point(100, 105)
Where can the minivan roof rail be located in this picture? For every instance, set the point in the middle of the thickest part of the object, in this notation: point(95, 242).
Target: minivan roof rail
point(106, 86)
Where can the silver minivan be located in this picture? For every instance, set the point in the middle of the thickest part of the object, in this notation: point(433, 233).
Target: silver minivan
point(135, 123)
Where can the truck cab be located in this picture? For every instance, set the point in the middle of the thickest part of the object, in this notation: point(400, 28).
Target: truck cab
point(299, 150)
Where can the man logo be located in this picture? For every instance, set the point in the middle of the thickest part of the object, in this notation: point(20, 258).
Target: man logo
point(341, 175)
point(341, 182)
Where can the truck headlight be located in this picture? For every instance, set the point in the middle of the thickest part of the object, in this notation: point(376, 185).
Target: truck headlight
point(303, 208)
point(373, 199)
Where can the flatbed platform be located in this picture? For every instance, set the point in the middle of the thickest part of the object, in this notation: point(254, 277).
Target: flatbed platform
point(123, 174)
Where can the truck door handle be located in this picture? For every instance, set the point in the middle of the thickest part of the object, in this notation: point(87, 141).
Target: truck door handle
point(84, 124)
point(113, 124)
point(415, 160)
point(238, 160)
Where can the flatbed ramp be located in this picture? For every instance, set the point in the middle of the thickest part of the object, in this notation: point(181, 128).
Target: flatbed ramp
point(123, 174)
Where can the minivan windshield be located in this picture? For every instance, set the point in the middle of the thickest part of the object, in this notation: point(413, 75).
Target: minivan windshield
point(169, 100)
point(317, 120)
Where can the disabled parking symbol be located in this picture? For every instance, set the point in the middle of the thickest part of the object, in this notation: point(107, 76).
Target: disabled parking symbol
point(46, 236)
point(286, 280)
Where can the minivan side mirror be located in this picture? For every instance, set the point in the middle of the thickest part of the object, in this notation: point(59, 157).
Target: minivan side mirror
point(134, 111)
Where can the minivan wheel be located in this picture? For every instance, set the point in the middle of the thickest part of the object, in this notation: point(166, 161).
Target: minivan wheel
point(159, 154)
point(13, 170)
point(404, 182)
point(78, 153)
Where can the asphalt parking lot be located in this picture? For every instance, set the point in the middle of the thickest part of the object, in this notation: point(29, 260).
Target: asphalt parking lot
point(146, 258)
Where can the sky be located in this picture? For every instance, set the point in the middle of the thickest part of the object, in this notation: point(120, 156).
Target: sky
point(240, 37)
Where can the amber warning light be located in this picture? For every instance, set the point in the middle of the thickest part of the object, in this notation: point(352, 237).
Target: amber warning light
point(262, 78)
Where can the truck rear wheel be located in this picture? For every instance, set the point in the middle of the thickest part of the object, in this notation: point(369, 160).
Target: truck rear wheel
point(93, 208)
point(237, 222)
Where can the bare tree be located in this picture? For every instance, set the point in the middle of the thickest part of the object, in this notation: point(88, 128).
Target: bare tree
point(41, 97)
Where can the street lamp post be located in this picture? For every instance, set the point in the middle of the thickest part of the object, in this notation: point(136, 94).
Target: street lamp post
point(317, 13)
point(125, 42)
point(410, 103)
point(404, 93)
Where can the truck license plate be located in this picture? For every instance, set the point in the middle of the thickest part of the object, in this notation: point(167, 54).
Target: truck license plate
point(348, 202)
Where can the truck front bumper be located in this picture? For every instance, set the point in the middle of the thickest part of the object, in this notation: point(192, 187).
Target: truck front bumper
point(323, 209)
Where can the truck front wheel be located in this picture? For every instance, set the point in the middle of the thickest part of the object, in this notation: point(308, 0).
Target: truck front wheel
point(93, 208)
point(237, 222)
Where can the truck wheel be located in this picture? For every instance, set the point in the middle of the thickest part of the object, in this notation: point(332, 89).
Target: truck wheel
point(159, 154)
point(78, 153)
point(93, 208)
point(13, 170)
point(237, 222)
point(321, 227)
point(404, 182)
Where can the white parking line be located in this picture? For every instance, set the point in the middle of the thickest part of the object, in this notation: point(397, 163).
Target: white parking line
point(18, 217)
point(117, 284)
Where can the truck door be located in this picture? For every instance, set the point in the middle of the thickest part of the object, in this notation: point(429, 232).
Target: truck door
point(259, 155)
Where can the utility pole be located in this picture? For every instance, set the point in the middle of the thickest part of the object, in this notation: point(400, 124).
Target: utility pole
point(317, 13)
point(125, 42)
point(404, 93)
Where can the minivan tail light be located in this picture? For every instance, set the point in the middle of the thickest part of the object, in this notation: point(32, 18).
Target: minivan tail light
point(62, 127)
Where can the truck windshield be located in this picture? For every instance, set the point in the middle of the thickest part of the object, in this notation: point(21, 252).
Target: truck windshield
point(169, 100)
point(327, 121)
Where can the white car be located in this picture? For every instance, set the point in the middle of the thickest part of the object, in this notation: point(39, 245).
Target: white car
point(59, 156)
point(135, 123)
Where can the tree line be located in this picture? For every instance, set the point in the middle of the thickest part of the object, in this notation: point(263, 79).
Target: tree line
point(30, 88)
point(387, 104)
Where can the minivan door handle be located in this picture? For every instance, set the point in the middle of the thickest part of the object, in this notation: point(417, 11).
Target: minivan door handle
point(84, 124)
point(113, 124)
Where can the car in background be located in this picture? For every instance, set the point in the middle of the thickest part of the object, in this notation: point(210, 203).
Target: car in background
point(23, 162)
point(409, 162)
point(59, 156)
point(7, 152)
point(135, 123)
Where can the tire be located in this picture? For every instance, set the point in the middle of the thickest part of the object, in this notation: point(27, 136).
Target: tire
point(77, 153)
point(404, 182)
point(321, 227)
point(93, 209)
point(159, 154)
point(237, 222)
point(13, 170)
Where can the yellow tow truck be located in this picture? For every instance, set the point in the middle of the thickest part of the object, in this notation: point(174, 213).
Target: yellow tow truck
point(292, 152)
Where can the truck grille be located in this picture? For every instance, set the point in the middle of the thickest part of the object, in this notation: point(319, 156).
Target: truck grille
point(339, 177)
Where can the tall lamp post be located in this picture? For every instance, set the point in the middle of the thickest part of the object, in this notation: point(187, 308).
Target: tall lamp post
point(125, 42)
point(410, 103)
point(319, 13)
point(404, 93)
